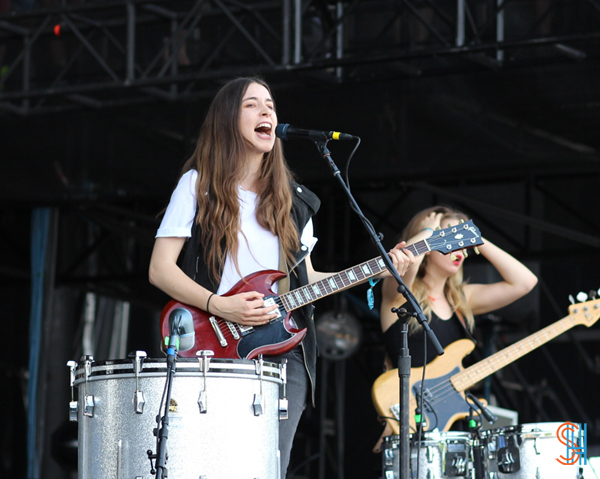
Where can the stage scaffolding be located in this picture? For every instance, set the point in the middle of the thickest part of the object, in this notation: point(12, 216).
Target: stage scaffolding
point(102, 54)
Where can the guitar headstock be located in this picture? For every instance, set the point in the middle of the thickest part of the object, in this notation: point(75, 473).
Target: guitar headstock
point(462, 236)
point(585, 312)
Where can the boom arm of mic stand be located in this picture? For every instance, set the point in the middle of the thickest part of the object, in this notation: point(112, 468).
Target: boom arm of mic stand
point(402, 289)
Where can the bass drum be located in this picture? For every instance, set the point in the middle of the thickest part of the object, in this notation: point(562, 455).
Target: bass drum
point(528, 451)
point(439, 455)
point(223, 419)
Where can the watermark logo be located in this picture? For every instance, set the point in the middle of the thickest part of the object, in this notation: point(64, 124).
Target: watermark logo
point(574, 437)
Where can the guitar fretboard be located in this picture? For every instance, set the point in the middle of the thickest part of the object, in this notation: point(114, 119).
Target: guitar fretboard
point(473, 374)
point(343, 280)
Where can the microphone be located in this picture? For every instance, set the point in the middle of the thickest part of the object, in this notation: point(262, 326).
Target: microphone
point(182, 334)
point(285, 131)
point(487, 414)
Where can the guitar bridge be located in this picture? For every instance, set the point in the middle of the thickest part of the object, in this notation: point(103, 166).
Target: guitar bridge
point(233, 330)
point(218, 332)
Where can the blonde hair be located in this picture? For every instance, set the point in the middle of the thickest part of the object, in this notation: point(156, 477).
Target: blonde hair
point(219, 159)
point(453, 288)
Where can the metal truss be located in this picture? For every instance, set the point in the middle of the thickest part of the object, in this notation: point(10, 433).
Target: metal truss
point(99, 55)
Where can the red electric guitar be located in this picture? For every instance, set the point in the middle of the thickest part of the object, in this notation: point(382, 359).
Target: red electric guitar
point(231, 340)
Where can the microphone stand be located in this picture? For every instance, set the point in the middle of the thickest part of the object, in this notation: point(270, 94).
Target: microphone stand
point(404, 359)
point(163, 431)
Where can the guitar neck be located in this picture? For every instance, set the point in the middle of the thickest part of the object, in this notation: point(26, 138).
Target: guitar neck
point(343, 280)
point(475, 373)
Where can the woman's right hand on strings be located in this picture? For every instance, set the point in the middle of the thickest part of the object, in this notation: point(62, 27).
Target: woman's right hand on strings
point(246, 308)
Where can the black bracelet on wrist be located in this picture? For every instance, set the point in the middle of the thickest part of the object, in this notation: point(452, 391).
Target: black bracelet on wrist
point(208, 302)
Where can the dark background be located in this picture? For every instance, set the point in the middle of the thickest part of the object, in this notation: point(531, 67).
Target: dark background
point(514, 144)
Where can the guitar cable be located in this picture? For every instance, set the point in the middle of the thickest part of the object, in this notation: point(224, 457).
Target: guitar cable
point(419, 408)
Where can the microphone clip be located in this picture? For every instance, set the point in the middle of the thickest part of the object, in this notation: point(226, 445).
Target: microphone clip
point(485, 412)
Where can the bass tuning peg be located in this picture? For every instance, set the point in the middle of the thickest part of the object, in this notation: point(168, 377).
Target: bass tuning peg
point(581, 297)
point(466, 255)
point(476, 249)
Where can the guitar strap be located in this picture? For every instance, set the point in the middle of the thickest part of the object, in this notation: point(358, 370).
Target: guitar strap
point(463, 323)
point(283, 285)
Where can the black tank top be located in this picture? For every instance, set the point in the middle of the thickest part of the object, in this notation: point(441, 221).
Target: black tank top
point(446, 330)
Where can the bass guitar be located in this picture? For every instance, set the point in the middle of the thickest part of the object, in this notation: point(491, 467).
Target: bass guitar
point(232, 340)
point(444, 398)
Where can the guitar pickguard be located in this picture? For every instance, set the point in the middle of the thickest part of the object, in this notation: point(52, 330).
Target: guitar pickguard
point(441, 402)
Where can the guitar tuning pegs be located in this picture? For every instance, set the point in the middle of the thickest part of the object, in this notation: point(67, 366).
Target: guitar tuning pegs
point(571, 299)
point(593, 294)
point(476, 249)
point(581, 297)
point(461, 221)
point(437, 228)
point(453, 258)
point(466, 255)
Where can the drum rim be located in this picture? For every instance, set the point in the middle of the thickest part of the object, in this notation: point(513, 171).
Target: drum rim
point(429, 436)
point(186, 367)
point(526, 430)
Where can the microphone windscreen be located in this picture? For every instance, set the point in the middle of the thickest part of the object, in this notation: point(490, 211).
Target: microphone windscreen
point(281, 131)
point(187, 341)
point(187, 335)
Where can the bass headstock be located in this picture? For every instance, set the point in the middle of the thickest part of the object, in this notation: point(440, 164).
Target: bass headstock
point(587, 311)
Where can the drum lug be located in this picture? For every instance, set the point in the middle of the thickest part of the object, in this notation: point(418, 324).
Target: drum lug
point(257, 405)
point(88, 400)
point(72, 367)
point(283, 409)
point(429, 454)
point(283, 402)
point(87, 367)
point(73, 406)
point(88, 409)
point(204, 365)
point(508, 460)
point(388, 456)
point(73, 409)
point(138, 402)
point(204, 360)
point(202, 402)
point(138, 396)
point(535, 446)
point(458, 465)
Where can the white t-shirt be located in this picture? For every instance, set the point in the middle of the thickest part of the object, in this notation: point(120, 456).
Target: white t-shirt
point(258, 247)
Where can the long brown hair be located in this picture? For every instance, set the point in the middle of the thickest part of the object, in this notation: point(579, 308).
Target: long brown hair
point(219, 159)
point(453, 288)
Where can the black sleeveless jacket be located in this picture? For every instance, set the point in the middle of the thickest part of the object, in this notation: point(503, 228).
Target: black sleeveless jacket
point(305, 204)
